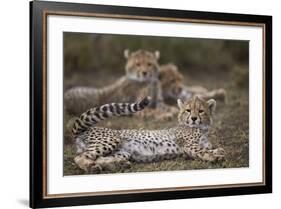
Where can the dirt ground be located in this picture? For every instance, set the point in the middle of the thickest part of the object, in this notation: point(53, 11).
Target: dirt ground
point(230, 129)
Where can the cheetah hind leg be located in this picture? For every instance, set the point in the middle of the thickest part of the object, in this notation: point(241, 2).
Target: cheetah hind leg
point(218, 94)
point(116, 161)
point(87, 160)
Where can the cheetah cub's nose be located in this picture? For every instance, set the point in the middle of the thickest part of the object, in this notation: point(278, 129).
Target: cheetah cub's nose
point(144, 73)
point(194, 118)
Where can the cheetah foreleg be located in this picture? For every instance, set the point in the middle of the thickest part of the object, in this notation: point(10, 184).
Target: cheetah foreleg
point(204, 154)
point(204, 142)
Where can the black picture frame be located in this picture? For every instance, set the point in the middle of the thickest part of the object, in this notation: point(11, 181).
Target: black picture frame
point(38, 12)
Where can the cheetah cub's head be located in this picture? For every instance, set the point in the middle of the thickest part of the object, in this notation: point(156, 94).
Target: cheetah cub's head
point(142, 65)
point(196, 112)
point(171, 81)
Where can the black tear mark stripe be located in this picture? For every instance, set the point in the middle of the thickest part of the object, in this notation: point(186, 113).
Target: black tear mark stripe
point(199, 118)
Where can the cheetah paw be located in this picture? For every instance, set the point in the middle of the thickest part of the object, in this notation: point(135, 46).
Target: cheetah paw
point(219, 154)
point(126, 164)
point(95, 169)
point(83, 162)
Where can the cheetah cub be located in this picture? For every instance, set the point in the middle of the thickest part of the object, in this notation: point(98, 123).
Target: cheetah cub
point(173, 87)
point(140, 79)
point(101, 148)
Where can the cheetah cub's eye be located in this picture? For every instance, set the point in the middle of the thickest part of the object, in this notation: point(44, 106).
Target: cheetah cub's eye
point(149, 64)
point(138, 64)
point(188, 110)
point(201, 111)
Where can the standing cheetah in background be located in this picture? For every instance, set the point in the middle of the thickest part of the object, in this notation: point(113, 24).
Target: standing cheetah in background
point(101, 148)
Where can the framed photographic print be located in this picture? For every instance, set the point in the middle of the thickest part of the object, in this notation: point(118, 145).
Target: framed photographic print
point(139, 104)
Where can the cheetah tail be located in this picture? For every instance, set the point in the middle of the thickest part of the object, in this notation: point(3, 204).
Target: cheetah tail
point(96, 114)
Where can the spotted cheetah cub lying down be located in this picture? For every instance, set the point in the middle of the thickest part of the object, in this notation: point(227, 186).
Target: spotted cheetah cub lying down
point(173, 86)
point(101, 148)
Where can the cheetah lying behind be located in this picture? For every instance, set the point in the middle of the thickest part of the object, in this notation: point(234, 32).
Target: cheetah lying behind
point(101, 148)
point(173, 87)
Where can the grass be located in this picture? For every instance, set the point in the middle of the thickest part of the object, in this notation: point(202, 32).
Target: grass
point(230, 129)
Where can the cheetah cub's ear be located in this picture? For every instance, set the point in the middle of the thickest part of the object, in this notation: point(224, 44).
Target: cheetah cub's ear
point(126, 53)
point(180, 104)
point(157, 55)
point(212, 105)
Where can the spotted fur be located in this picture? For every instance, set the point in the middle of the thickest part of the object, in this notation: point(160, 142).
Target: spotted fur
point(94, 115)
point(140, 80)
point(173, 87)
point(101, 148)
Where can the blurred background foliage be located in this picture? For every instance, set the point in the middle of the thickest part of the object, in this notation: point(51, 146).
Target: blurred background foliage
point(84, 52)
